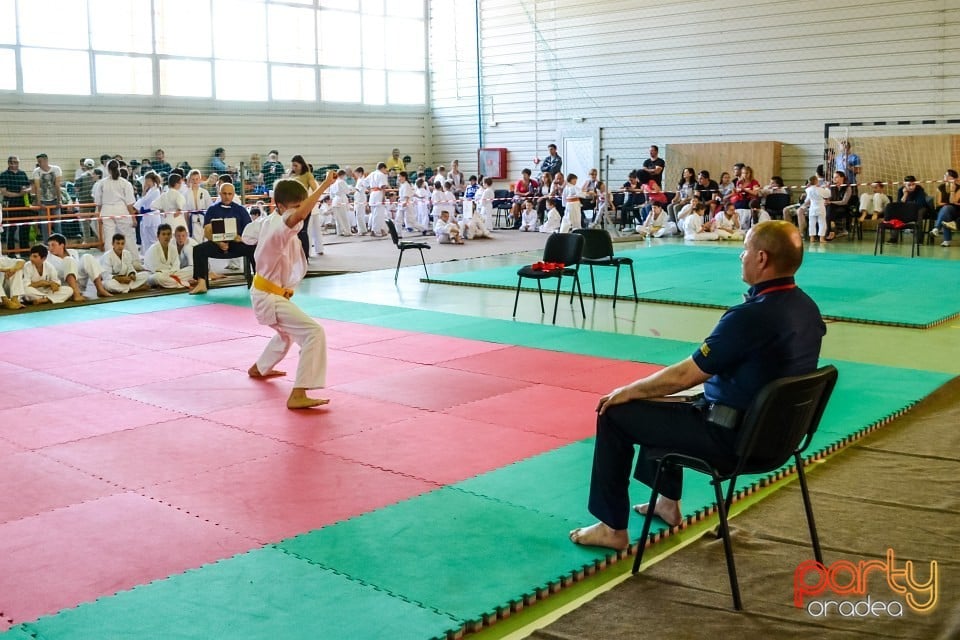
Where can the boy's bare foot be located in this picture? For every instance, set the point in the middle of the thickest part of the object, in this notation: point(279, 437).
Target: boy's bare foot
point(666, 509)
point(77, 297)
point(300, 400)
point(200, 288)
point(42, 300)
point(254, 372)
point(10, 303)
point(215, 276)
point(103, 293)
point(600, 535)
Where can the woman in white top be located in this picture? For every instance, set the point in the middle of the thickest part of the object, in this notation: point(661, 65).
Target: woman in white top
point(149, 220)
point(114, 199)
point(197, 202)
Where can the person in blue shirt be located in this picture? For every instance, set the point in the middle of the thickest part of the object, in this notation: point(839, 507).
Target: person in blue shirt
point(225, 208)
point(218, 162)
point(776, 332)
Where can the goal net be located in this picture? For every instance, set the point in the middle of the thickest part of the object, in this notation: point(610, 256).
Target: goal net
point(890, 151)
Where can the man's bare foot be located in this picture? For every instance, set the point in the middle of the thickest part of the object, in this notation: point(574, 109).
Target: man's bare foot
point(300, 400)
point(666, 509)
point(78, 297)
point(103, 293)
point(200, 288)
point(600, 535)
point(254, 372)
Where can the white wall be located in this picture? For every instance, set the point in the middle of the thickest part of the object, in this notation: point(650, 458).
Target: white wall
point(643, 72)
point(68, 130)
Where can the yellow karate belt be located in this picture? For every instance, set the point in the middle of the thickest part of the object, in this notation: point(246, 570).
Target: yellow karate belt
point(261, 283)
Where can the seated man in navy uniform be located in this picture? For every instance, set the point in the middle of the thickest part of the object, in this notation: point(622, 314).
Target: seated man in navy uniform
point(776, 332)
point(235, 248)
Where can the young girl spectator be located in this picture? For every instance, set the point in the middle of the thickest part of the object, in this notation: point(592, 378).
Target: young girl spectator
point(572, 215)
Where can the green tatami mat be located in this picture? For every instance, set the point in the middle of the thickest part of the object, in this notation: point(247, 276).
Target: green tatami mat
point(877, 290)
point(264, 594)
point(463, 554)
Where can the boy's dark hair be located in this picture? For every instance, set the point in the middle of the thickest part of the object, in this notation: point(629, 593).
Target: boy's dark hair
point(404, 175)
point(287, 191)
point(571, 176)
point(57, 237)
point(381, 165)
point(164, 227)
point(225, 179)
point(174, 179)
point(118, 236)
point(180, 228)
point(341, 173)
point(40, 250)
point(106, 157)
point(359, 170)
point(488, 182)
point(473, 178)
point(526, 172)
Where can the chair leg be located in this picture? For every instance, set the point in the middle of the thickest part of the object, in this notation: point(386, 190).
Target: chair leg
point(616, 286)
point(730, 489)
point(593, 286)
point(583, 310)
point(397, 271)
point(516, 298)
point(727, 544)
point(633, 279)
point(808, 507)
point(647, 520)
point(556, 301)
point(878, 242)
point(424, 261)
point(543, 309)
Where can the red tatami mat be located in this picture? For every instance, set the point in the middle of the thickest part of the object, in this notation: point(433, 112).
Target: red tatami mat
point(206, 392)
point(441, 448)
point(57, 347)
point(33, 387)
point(147, 368)
point(607, 377)
point(64, 420)
point(299, 490)
point(531, 365)
point(426, 349)
point(71, 555)
point(562, 413)
point(345, 415)
point(33, 483)
point(432, 388)
point(146, 330)
point(163, 452)
point(347, 334)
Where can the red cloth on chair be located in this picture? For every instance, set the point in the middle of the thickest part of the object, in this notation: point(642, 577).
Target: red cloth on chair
point(547, 266)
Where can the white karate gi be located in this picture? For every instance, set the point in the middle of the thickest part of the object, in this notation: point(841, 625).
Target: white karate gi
point(693, 229)
point(727, 228)
point(817, 209)
point(406, 209)
point(485, 206)
point(149, 220)
point(552, 220)
point(377, 182)
point(658, 226)
point(12, 287)
point(173, 204)
point(186, 253)
point(280, 260)
point(112, 197)
point(874, 203)
point(528, 220)
point(422, 197)
point(84, 268)
point(360, 205)
point(197, 204)
point(32, 293)
point(125, 265)
point(340, 206)
point(572, 215)
point(165, 268)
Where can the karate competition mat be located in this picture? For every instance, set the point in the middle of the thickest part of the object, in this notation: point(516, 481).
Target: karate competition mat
point(153, 490)
point(888, 290)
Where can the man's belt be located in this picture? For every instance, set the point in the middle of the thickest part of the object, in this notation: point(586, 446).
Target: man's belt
point(261, 283)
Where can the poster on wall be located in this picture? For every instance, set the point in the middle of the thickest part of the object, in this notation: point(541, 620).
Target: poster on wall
point(493, 162)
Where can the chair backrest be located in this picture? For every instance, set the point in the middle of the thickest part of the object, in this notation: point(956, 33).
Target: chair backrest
point(782, 419)
point(392, 228)
point(565, 248)
point(906, 212)
point(502, 198)
point(618, 199)
point(597, 243)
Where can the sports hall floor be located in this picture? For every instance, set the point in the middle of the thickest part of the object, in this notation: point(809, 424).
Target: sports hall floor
point(152, 490)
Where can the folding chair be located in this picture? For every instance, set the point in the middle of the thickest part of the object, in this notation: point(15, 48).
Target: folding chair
point(561, 248)
point(598, 252)
point(780, 423)
point(403, 246)
point(900, 216)
point(502, 203)
point(775, 203)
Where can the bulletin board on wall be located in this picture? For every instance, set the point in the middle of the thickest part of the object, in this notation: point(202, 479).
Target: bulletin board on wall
point(492, 162)
point(717, 157)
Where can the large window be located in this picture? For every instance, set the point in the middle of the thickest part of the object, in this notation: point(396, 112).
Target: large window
point(369, 52)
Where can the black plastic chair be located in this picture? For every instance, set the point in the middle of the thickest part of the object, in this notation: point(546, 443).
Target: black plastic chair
point(502, 203)
point(403, 246)
point(779, 424)
point(598, 252)
point(909, 216)
point(562, 248)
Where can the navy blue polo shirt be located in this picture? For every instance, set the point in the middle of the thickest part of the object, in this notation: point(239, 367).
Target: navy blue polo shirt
point(233, 210)
point(775, 333)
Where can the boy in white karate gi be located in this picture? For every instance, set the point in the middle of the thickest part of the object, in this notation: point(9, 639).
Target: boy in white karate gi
point(572, 215)
point(122, 270)
point(551, 218)
point(657, 224)
point(163, 260)
point(378, 184)
point(11, 282)
point(340, 204)
point(74, 270)
point(817, 212)
point(447, 232)
point(727, 224)
point(281, 266)
point(42, 286)
point(422, 196)
point(484, 202)
point(361, 186)
point(406, 207)
point(694, 228)
point(528, 217)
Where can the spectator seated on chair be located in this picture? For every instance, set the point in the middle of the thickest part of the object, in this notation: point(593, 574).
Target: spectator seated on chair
point(524, 190)
point(838, 207)
point(872, 204)
point(632, 199)
point(746, 189)
point(786, 328)
point(948, 201)
point(910, 192)
point(652, 193)
point(686, 187)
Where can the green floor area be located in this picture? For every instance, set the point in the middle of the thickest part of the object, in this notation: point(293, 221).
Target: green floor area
point(847, 287)
point(449, 558)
